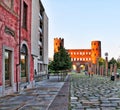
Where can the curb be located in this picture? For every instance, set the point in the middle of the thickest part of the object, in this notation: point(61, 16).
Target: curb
point(61, 100)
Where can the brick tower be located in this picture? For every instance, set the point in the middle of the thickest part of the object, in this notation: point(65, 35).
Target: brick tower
point(95, 51)
point(57, 43)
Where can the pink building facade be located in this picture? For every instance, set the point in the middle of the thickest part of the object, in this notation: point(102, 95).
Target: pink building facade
point(16, 61)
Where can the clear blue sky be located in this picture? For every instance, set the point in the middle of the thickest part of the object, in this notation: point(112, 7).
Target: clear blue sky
point(81, 21)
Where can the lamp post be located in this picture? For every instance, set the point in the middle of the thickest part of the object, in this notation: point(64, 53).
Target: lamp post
point(106, 63)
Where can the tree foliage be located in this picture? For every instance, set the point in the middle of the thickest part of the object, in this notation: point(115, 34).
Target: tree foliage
point(101, 61)
point(112, 61)
point(61, 60)
point(118, 62)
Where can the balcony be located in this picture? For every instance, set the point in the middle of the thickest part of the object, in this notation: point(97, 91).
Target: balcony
point(40, 15)
point(40, 30)
point(40, 43)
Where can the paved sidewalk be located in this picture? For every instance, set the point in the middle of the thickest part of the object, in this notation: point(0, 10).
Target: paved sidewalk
point(62, 101)
point(38, 98)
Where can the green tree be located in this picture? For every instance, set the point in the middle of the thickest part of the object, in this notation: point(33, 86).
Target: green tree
point(50, 66)
point(112, 61)
point(118, 62)
point(62, 60)
point(101, 61)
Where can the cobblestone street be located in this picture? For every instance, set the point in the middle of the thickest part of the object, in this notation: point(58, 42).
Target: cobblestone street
point(94, 93)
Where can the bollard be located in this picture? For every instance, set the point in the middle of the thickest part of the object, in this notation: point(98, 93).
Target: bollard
point(112, 77)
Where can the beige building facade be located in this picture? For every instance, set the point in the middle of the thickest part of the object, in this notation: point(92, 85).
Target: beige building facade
point(39, 37)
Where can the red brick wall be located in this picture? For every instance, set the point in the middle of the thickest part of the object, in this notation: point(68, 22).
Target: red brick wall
point(26, 35)
point(57, 43)
point(95, 51)
point(80, 55)
point(9, 18)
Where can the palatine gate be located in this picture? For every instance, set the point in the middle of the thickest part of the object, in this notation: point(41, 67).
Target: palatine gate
point(81, 58)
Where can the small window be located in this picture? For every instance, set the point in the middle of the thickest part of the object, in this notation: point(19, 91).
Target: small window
point(74, 59)
point(25, 8)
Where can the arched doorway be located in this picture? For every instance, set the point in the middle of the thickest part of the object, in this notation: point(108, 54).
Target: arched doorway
point(24, 63)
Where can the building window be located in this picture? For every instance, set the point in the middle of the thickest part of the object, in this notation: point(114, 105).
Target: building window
point(24, 66)
point(41, 67)
point(40, 39)
point(41, 51)
point(8, 61)
point(25, 8)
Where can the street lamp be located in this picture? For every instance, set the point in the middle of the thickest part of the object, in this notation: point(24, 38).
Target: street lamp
point(106, 63)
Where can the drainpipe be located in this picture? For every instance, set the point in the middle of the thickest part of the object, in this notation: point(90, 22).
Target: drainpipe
point(18, 65)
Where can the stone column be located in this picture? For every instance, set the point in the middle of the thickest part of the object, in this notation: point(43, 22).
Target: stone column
point(102, 70)
point(106, 64)
point(111, 69)
point(98, 67)
point(115, 69)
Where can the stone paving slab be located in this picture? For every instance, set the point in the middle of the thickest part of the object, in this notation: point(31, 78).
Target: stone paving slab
point(61, 101)
point(94, 93)
point(38, 98)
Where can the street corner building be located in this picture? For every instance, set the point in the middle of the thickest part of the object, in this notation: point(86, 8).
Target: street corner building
point(16, 58)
